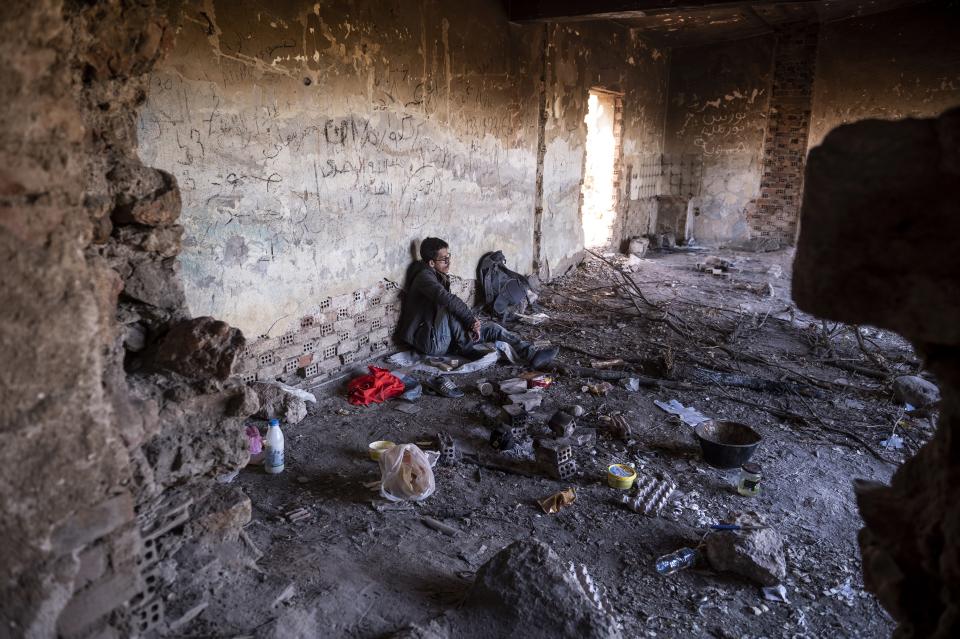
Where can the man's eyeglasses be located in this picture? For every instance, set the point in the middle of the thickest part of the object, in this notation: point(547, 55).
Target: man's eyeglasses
point(445, 259)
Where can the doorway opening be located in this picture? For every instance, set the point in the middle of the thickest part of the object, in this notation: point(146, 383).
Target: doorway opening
point(600, 174)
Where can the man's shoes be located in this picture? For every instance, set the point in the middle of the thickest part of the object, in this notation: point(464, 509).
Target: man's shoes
point(543, 357)
point(444, 387)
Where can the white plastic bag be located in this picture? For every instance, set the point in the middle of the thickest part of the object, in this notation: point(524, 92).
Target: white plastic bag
point(406, 473)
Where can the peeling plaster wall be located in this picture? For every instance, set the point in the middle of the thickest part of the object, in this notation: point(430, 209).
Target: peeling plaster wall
point(313, 143)
point(895, 65)
point(581, 57)
point(719, 96)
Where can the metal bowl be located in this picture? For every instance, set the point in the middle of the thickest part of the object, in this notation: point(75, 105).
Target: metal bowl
point(726, 444)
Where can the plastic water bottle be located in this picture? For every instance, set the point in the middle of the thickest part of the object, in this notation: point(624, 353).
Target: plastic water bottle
point(273, 459)
point(677, 560)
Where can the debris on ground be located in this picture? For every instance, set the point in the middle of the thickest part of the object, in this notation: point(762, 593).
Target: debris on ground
point(525, 589)
point(278, 403)
point(406, 472)
point(915, 390)
point(755, 554)
point(688, 415)
point(775, 593)
point(651, 495)
point(556, 501)
point(699, 345)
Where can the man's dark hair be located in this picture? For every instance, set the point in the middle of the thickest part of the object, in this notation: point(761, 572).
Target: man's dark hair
point(430, 246)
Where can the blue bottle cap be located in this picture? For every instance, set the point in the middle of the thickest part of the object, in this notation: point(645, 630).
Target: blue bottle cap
point(274, 422)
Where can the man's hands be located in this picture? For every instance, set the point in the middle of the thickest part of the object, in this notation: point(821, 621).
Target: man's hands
point(475, 331)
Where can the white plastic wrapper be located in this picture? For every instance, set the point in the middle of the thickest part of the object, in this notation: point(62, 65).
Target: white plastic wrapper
point(406, 473)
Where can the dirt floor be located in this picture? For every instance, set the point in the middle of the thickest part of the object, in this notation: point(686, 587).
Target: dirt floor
point(731, 345)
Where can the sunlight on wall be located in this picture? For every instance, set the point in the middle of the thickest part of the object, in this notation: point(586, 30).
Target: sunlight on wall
point(598, 196)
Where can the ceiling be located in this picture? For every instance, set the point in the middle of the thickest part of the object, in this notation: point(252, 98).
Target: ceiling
point(680, 23)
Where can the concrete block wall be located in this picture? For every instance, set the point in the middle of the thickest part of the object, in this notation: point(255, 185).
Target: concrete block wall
point(339, 332)
point(777, 210)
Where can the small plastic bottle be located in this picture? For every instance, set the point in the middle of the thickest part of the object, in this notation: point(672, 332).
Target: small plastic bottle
point(273, 459)
point(677, 560)
point(749, 482)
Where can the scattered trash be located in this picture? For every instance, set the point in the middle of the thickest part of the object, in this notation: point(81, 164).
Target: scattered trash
point(556, 501)
point(775, 270)
point(439, 526)
point(409, 409)
point(296, 515)
point(585, 436)
point(273, 453)
point(378, 386)
point(513, 385)
point(486, 388)
point(894, 442)
point(688, 415)
point(406, 472)
point(377, 448)
point(677, 560)
point(600, 389)
point(255, 444)
point(843, 591)
point(775, 593)
point(528, 400)
point(606, 363)
point(748, 484)
point(651, 495)
point(576, 410)
point(343, 411)
point(632, 384)
point(621, 476)
point(533, 319)
point(537, 380)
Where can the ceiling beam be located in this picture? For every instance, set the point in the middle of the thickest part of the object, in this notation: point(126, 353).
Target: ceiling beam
point(572, 10)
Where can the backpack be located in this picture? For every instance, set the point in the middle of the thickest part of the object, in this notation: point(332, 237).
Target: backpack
point(503, 291)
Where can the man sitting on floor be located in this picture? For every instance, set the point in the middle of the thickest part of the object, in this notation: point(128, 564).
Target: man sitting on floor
point(434, 321)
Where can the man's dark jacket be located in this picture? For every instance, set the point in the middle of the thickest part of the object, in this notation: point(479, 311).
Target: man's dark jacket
point(427, 307)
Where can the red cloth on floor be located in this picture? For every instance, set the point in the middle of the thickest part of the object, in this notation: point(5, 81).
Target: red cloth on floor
point(379, 386)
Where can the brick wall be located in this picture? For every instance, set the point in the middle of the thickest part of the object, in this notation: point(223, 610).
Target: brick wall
point(777, 210)
point(342, 331)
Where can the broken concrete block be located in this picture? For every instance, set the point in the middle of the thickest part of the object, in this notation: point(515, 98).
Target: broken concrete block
point(526, 586)
point(552, 455)
point(276, 403)
point(448, 449)
point(562, 424)
point(916, 391)
point(756, 555)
